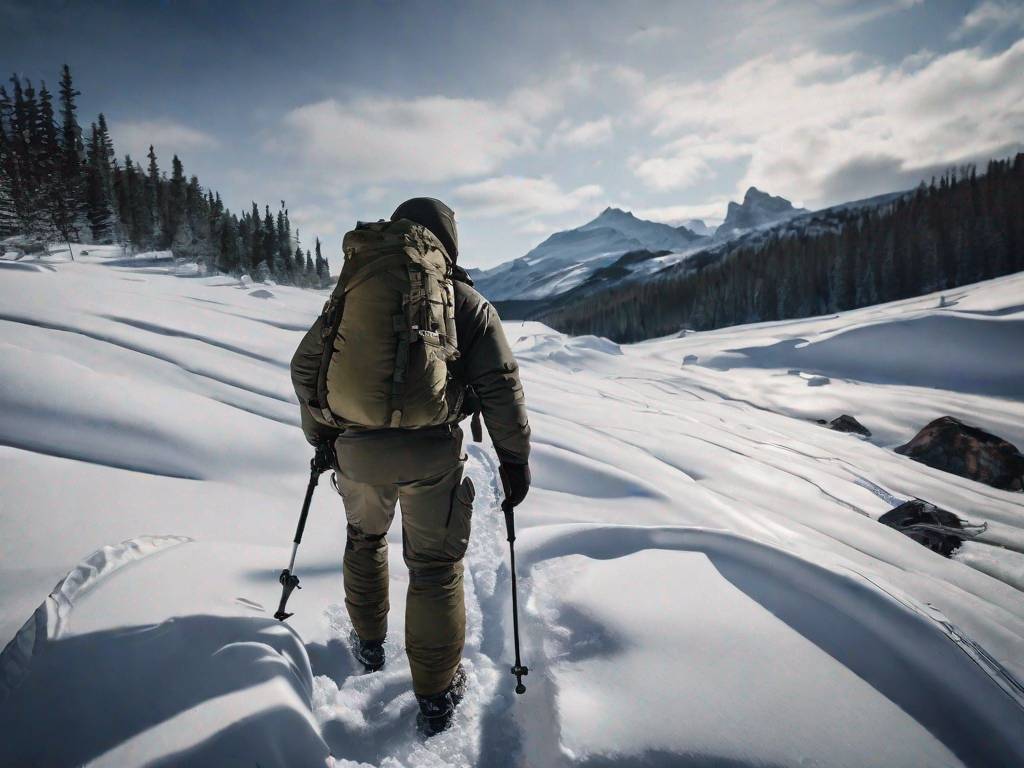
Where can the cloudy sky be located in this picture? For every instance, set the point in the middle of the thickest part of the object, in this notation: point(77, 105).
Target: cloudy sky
point(532, 117)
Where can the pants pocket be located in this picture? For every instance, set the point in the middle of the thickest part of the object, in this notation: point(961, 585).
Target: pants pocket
point(456, 538)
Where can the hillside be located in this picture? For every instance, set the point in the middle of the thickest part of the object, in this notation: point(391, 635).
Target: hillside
point(703, 577)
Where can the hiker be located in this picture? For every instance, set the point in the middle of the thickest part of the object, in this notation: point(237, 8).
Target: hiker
point(411, 350)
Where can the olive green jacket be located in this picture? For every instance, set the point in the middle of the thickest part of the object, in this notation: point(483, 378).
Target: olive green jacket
point(485, 363)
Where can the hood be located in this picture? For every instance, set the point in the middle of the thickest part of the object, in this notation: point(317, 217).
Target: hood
point(435, 216)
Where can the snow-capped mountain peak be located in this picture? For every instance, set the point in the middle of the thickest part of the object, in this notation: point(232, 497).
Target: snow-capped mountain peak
point(757, 209)
point(567, 258)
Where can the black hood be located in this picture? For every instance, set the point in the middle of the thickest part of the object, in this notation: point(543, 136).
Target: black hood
point(435, 216)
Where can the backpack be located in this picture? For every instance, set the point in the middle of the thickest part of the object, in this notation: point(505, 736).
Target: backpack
point(377, 357)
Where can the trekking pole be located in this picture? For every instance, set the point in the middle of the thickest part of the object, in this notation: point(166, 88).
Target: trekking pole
point(319, 464)
point(518, 670)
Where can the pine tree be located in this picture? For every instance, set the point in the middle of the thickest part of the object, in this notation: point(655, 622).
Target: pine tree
point(255, 231)
point(269, 246)
point(97, 199)
point(176, 231)
point(8, 209)
point(309, 272)
point(323, 271)
point(72, 216)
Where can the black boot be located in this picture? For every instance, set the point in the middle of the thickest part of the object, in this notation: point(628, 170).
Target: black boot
point(436, 711)
point(368, 653)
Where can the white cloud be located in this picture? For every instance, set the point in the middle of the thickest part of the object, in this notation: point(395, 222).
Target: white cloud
point(167, 137)
point(686, 161)
point(522, 199)
point(991, 15)
point(582, 135)
point(427, 139)
point(807, 117)
point(676, 172)
point(376, 139)
point(712, 212)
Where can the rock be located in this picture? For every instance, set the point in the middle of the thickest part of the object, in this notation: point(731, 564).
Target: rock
point(847, 423)
point(818, 381)
point(936, 528)
point(952, 446)
point(690, 360)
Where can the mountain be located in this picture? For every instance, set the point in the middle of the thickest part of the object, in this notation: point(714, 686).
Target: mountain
point(566, 259)
point(963, 229)
point(698, 227)
point(757, 210)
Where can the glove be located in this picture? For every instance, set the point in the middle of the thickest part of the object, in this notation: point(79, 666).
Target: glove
point(515, 482)
point(323, 459)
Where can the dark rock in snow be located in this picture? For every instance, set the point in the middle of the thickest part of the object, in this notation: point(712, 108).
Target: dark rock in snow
point(952, 446)
point(936, 528)
point(846, 423)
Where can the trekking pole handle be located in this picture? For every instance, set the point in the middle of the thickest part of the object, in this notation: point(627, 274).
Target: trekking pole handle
point(510, 525)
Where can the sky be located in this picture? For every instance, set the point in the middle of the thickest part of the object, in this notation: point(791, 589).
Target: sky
point(531, 117)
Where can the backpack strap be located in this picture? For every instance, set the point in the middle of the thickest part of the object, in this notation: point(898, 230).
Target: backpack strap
point(331, 315)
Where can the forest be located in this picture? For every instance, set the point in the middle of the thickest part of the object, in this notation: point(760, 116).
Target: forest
point(961, 228)
point(60, 182)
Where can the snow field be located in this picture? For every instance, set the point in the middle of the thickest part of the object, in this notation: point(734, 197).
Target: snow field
point(703, 580)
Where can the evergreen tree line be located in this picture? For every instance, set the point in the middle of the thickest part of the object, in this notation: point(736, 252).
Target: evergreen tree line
point(58, 182)
point(959, 229)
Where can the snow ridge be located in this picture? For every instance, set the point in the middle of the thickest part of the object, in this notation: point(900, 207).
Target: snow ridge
point(50, 619)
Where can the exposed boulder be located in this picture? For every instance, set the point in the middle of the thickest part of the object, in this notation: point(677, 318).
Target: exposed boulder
point(846, 423)
point(936, 528)
point(952, 446)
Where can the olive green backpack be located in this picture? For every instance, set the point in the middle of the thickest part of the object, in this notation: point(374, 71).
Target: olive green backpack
point(378, 355)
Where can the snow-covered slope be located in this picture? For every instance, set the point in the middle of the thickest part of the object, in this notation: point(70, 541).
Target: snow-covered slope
point(703, 577)
point(566, 259)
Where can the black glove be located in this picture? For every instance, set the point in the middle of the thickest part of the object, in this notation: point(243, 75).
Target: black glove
point(515, 482)
point(324, 459)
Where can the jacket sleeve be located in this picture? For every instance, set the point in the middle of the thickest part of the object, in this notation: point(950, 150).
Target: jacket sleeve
point(492, 371)
point(304, 367)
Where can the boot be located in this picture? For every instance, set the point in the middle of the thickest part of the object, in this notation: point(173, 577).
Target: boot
point(369, 653)
point(436, 711)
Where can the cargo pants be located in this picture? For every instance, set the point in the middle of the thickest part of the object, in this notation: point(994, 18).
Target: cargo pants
point(421, 470)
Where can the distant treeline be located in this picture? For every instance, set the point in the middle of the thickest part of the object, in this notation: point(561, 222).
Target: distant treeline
point(959, 229)
point(56, 182)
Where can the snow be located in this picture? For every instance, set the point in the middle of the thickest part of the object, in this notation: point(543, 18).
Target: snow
point(566, 259)
point(702, 576)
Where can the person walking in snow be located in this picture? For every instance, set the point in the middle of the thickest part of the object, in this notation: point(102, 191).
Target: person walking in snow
point(404, 350)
